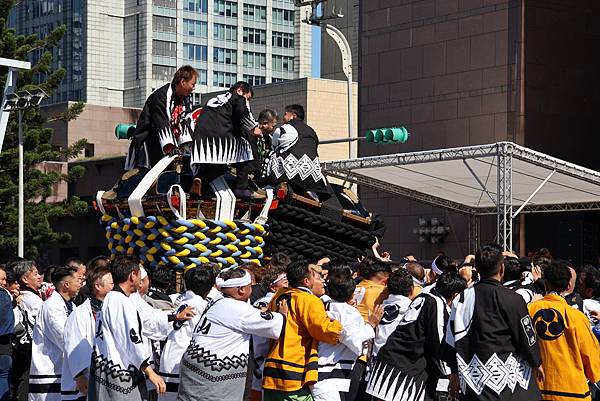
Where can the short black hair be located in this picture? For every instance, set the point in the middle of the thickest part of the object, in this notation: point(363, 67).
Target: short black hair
point(296, 272)
point(98, 261)
point(371, 266)
point(297, 109)
point(444, 263)
point(589, 277)
point(450, 284)
point(400, 282)
point(200, 280)
point(267, 115)
point(488, 259)
point(339, 269)
point(48, 273)
point(557, 275)
point(244, 86)
point(513, 269)
point(122, 267)
point(280, 259)
point(340, 286)
point(74, 262)
point(61, 273)
point(162, 278)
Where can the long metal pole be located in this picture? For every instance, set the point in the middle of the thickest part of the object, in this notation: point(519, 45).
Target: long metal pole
point(21, 240)
point(353, 152)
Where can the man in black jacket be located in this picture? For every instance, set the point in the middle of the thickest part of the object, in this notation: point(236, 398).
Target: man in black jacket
point(162, 129)
point(222, 137)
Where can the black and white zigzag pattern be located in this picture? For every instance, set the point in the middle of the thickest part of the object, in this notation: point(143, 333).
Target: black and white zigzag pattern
point(113, 376)
point(221, 151)
point(390, 384)
point(203, 357)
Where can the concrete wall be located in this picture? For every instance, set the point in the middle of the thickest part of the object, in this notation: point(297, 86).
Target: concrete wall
point(96, 124)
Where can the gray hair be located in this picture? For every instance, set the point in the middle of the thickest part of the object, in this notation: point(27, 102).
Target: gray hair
point(22, 267)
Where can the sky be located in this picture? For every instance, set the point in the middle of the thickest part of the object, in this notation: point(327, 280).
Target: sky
point(316, 52)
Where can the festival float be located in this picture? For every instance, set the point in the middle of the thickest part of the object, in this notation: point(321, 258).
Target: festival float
point(150, 215)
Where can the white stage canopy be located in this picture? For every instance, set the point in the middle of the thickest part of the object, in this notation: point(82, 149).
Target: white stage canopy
point(502, 178)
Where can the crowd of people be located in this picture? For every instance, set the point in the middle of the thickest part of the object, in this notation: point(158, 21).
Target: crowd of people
point(489, 327)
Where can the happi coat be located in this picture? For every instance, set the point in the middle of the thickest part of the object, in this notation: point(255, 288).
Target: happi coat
point(222, 130)
point(120, 351)
point(214, 367)
point(408, 366)
point(47, 349)
point(337, 360)
point(569, 350)
point(492, 344)
point(161, 124)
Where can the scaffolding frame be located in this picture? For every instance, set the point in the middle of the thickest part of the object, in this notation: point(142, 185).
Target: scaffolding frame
point(504, 153)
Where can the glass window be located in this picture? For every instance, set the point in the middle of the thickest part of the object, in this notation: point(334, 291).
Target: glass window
point(255, 79)
point(225, 32)
point(202, 78)
point(164, 49)
point(162, 72)
point(255, 60)
point(164, 24)
point(225, 8)
point(256, 36)
point(224, 79)
point(224, 56)
point(195, 28)
point(283, 63)
point(194, 52)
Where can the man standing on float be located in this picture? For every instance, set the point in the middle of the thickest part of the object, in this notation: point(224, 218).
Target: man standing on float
point(161, 129)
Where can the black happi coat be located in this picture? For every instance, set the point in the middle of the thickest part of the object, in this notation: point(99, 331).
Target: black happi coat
point(222, 131)
point(492, 344)
point(294, 158)
point(154, 128)
point(408, 367)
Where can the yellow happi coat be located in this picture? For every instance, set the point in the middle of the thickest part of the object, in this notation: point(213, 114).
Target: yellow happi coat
point(570, 352)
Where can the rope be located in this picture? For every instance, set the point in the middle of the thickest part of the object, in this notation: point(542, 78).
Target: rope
point(184, 244)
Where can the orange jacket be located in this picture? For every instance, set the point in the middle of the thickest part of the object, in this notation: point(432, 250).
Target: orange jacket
point(292, 360)
point(367, 295)
point(570, 352)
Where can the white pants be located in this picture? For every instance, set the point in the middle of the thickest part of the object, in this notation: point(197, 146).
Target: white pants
point(328, 396)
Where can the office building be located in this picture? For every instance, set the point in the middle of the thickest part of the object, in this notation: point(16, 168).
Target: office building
point(116, 52)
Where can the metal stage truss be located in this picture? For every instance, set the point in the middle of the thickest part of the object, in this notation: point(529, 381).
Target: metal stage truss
point(503, 178)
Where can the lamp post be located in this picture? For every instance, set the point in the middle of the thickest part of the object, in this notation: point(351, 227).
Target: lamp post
point(317, 20)
point(20, 101)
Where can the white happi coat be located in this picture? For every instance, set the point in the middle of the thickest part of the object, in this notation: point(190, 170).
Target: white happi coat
point(260, 346)
point(47, 350)
point(119, 348)
point(394, 308)
point(156, 322)
point(337, 360)
point(216, 361)
point(79, 341)
point(177, 342)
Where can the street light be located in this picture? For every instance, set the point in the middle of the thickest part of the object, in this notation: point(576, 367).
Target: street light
point(318, 20)
point(20, 101)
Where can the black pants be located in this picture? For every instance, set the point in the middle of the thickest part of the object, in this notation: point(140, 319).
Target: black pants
point(20, 374)
point(358, 385)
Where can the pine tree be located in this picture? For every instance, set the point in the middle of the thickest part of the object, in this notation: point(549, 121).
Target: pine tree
point(39, 214)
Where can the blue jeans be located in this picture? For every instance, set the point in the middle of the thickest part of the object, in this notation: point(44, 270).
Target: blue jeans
point(5, 368)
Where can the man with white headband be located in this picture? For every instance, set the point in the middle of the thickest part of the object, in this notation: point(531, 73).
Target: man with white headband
point(214, 366)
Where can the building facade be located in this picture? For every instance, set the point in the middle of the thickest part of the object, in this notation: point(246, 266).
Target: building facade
point(468, 72)
point(116, 52)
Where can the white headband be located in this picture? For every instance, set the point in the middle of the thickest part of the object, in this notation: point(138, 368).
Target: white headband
point(143, 273)
point(434, 267)
point(234, 282)
point(417, 281)
point(278, 279)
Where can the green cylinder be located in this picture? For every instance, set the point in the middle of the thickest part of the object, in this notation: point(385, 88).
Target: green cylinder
point(124, 131)
point(399, 134)
point(370, 136)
